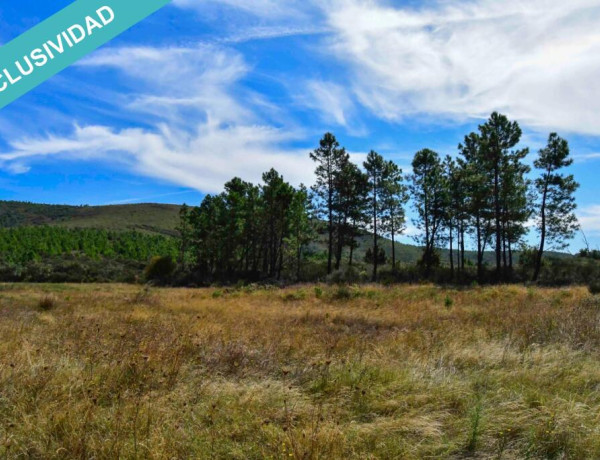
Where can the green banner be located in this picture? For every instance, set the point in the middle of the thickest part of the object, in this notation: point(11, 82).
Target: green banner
point(59, 41)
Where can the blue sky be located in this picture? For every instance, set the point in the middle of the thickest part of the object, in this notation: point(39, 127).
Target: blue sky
point(205, 90)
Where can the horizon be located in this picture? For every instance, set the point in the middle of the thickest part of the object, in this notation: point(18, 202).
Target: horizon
point(167, 113)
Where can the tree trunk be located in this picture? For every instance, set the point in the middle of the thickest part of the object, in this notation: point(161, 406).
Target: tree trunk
point(479, 251)
point(330, 210)
point(340, 245)
point(498, 212)
point(504, 250)
point(393, 244)
point(375, 248)
point(451, 254)
point(540, 254)
point(510, 258)
point(462, 246)
point(298, 255)
point(352, 243)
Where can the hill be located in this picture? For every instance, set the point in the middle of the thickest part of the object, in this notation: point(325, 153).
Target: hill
point(147, 217)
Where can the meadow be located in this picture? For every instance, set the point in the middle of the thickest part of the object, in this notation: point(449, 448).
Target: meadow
point(307, 372)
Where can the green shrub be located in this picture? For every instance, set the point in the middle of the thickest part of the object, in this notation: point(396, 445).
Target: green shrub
point(294, 296)
point(349, 275)
point(594, 287)
point(342, 293)
point(160, 269)
point(448, 302)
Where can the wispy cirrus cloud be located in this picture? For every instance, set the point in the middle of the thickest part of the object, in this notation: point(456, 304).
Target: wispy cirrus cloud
point(265, 9)
point(444, 60)
point(260, 19)
point(458, 60)
point(203, 160)
point(589, 219)
point(583, 157)
point(204, 128)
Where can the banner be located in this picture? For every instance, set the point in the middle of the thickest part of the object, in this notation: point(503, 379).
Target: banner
point(66, 37)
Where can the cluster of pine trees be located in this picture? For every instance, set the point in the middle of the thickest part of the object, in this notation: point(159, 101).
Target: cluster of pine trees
point(483, 199)
point(248, 231)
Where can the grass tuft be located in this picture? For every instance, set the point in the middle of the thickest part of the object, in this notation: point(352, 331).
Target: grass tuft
point(47, 302)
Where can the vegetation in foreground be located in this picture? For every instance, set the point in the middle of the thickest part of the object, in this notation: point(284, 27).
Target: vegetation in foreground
point(304, 373)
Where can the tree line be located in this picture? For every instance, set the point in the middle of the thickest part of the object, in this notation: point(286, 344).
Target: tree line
point(483, 198)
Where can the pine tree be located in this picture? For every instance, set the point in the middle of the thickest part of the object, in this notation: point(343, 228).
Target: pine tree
point(377, 171)
point(428, 191)
point(498, 136)
point(395, 197)
point(455, 207)
point(330, 159)
point(557, 221)
point(479, 204)
point(184, 228)
point(301, 229)
point(349, 206)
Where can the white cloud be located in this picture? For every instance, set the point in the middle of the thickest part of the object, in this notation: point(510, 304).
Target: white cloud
point(165, 81)
point(242, 20)
point(589, 218)
point(582, 157)
point(206, 129)
point(271, 32)
point(203, 161)
point(457, 60)
point(329, 100)
point(537, 61)
point(260, 8)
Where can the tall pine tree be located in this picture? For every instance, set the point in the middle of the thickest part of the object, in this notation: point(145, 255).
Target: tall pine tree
point(330, 159)
point(557, 221)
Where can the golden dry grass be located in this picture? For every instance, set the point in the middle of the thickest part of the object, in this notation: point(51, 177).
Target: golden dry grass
point(114, 371)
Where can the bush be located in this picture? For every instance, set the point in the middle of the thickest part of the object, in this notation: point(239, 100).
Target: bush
point(527, 260)
point(160, 269)
point(47, 303)
point(594, 287)
point(448, 302)
point(342, 293)
point(381, 256)
point(562, 272)
point(349, 275)
point(294, 296)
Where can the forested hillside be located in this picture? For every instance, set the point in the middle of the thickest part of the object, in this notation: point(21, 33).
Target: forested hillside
point(148, 218)
point(59, 243)
point(56, 254)
point(23, 245)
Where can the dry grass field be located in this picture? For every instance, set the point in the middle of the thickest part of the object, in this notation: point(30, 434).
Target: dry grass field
point(114, 371)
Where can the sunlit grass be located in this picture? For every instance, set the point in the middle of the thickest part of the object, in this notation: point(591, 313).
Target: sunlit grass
point(114, 371)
